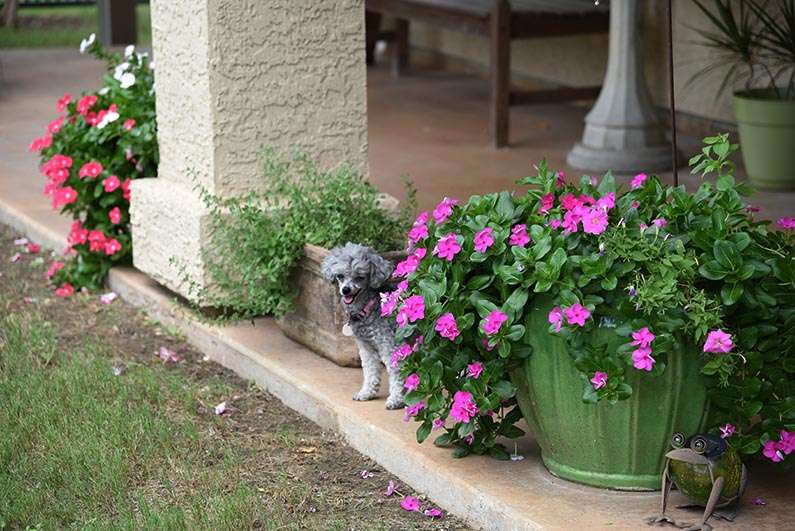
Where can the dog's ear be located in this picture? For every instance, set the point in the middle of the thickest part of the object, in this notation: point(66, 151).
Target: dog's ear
point(331, 264)
point(380, 269)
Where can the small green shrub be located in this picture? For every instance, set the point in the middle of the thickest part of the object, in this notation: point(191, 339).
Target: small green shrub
point(257, 238)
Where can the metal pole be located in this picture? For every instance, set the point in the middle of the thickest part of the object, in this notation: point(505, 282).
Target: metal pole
point(671, 92)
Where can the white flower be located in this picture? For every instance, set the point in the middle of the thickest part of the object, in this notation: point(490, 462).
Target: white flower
point(110, 117)
point(103, 91)
point(120, 70)
point(129, 50)
point(127, 80)
point(86, 43)
point(151, 65)
point(107, 298)
point(220, 409)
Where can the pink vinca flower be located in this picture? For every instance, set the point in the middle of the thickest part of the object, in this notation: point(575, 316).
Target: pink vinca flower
point(410, 264)
point(642, 360)
point(85, 103)
point(444, 210)
point(772, 451)
point(606, 202)
point(55, 126)
point(571, 220)
point(125, 188)
point(639, 180)
point(447, 247)
point(40, 143)
point(389, 302)
point(519, 237)
point(447, 327)
point(659, 222)
point(54, 268)
point(464, 407)
point(111, 183)
point(412, 381)
point(570, 202)
point(65, 290)
point(115, 215)
point(411, 504)
point(438, 424)
point(727, 430)
point(63, 102)
point(413, 309)
point(399, 354)
point(413, 411)
point(96, 240)
point(112, 246)
point(90, 169)
point(786, 223)
point(417, 233)
point(556, 318)
point(787, 442)
point(547, 202)
point(718, 341)
point(128, 124)
point(474, 370)
point(577, 314)
point(483, 240)
point(594, 221)
point(64, 196)
point(493, 322)
point(599, 379)
point(642, 337)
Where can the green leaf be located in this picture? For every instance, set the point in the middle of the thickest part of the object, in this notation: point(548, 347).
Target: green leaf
point(442, 440)
point(423, 431)
point(514, 304)
point(712, 270)
point(504, 389)
point(731, 293)
point(727, 255)
point(515, 333)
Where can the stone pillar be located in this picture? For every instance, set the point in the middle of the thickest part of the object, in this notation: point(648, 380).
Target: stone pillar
point(622, 132)
point(234, 77)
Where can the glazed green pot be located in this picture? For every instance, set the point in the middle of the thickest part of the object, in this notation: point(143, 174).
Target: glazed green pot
point(767, 138)
point(618, 446)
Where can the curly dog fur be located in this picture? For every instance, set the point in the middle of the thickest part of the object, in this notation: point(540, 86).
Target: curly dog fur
point(360, 274)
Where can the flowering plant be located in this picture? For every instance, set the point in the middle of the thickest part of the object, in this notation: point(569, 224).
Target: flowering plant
point(90, 153)
point(671, 272)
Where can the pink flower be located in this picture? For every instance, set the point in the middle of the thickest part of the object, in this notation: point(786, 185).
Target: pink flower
point(494, 322)
point(85, 103)
point(659, 222)
point(417, 233)
point(642, 337)
point(638, 180)
point(547, 202)
point(786, 223)
point(410, 264)
point(556, 317)
point(64, 196)
point(128, 124)
point(486, 345)
point(555, 223)
point(561, 179)
point(108, 298)
point(413, 309)
point(41, 143)
point(115, 215)
point(411, 504)
point(111, 183)
point(433, 512)
point(54, 268)
point(642, 360)
point(483, 240)
point(607, 201)
point(787, 443)
point(569, 202)
point(519, 237)
point(447, 247)
point(65, 290)
point(112, 246)
point(63, 102)
point(55, 126)
point(727, 430)
point(718, 341)
point(447, 327)
point(464, 407)
point(599, 379)
point(389, 303)
point(594, 221)
point(474, 370)
point(167, 355)
point(90, 169)
point(438, 424)
point(125, 188)
point(412, 381)
point(78, 235)
point(772, 451)
point(444, 210)
point(96, 240)
point(571, 220)
point(577, 314)
point(469, 439)
point(33, 248)
point(413, 411)
point(401, 353)
point(391, 488)
point(587, 199)
point(635, 204)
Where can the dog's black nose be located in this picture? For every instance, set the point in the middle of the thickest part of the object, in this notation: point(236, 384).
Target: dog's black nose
point(346, 290)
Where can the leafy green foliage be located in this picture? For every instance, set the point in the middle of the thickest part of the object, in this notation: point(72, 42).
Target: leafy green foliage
point(257, 238)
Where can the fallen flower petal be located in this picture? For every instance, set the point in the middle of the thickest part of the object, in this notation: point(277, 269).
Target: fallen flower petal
point(433, 512)
point(759, 501)
point(168, 355)
point(220, 409)
point(391, 488)
point(16, 258)
point(366, 474)
point(107, 298)
point(21, 241)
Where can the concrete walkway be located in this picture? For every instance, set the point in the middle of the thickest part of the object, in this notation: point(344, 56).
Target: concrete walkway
point(488, 493)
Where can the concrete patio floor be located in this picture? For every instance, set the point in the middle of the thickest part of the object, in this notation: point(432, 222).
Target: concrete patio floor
point(431, 126)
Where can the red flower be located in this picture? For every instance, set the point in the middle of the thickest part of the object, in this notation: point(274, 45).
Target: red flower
point(96, 240)
point(125, 187)
point(128, 124)
point(64, 196)
point(55, 125)
point(63, 102)
point(111, 183)
point(41, 143)
point(115, 215)
point(90, 169)
point(34, 248)
point(85, 103)
point(112, 246)
point(78, 235)
point(65, 290)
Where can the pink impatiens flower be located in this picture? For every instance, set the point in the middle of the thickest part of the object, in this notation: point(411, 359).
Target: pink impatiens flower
point(444, 210)
point(90, 169)
point(483, 240)
point(447, 327)
point(642, 360)
point(556, 317)
point(114, 215)
point(547, 202)
point(412, 381)
point(638, 180)
point(642, 337)
point(464, 407)
point(411, 504)
point(786, 223)
point(727, 430)
point(718, 341)
point(447, 247)
point(494, 322)
point(474, 370)
point(519, 237)
point(599, 379)
point(577, 314)
point(111, 183)
point(413, 309)
point(594, 221)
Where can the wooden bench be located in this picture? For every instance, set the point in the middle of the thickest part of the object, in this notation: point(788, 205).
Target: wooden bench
point(501, 21)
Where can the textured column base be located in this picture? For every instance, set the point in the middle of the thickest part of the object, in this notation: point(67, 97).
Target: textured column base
point(621, 161)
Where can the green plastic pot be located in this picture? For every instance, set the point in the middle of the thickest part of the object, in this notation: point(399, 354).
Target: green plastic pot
point(767, 138)
point(618, 446)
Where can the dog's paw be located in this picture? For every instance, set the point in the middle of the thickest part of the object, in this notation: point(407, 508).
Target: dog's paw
point(395, 403)
point(361, 396)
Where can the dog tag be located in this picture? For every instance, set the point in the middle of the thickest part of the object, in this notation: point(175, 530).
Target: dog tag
point(347, 330)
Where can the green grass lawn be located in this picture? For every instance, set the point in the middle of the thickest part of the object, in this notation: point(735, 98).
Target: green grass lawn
point(41, 27)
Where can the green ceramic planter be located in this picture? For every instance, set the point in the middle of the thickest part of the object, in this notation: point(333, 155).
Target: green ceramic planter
point(767, 139)
point(619, 446)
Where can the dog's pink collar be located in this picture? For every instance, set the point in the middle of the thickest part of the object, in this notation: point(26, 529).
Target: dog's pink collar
point(361, 314)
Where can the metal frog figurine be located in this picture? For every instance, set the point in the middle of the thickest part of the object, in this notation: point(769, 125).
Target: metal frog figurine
point(706, 470)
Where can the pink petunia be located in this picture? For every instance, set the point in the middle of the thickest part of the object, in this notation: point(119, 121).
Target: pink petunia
point(519, 237)
point(447, 326)
point(642, 337)
point(577, 314)
point(642, 359)
point(464, 407)
point(638, 180)
point(494, 322)
point(111, 183)
point(90, 169)
point(412, 381)
point(786, 223)
point(444, 210)
point(718, 341)
point(411, 504)
point(483, 240)
point(114, 215)
point(556, 317)
point(413, 309)
point(447, 247)
point(547, 202)
point(727, 430)
point(599, 379)
point(474, 370)
point(594, 221)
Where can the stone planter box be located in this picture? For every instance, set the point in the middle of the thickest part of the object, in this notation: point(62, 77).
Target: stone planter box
point(317, 317)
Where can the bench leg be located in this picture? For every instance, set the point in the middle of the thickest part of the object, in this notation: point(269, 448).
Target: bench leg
point(500, 73)
point(400, 58)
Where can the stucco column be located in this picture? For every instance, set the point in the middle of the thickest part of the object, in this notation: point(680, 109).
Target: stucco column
point(622, 132)
point(234, 77)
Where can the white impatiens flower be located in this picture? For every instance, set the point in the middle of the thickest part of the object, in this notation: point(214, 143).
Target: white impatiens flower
point(129, 50)
point(86, 43)
point(120, 70)
point(127, 80)
point(110, 117)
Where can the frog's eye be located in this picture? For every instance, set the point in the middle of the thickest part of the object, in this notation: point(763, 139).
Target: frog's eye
point(678, 440)
point(699, 444)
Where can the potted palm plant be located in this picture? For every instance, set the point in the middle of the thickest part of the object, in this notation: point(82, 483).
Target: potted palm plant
point(756, 44)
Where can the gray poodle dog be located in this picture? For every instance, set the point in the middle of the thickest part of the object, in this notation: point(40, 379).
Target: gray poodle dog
point(360, 273)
